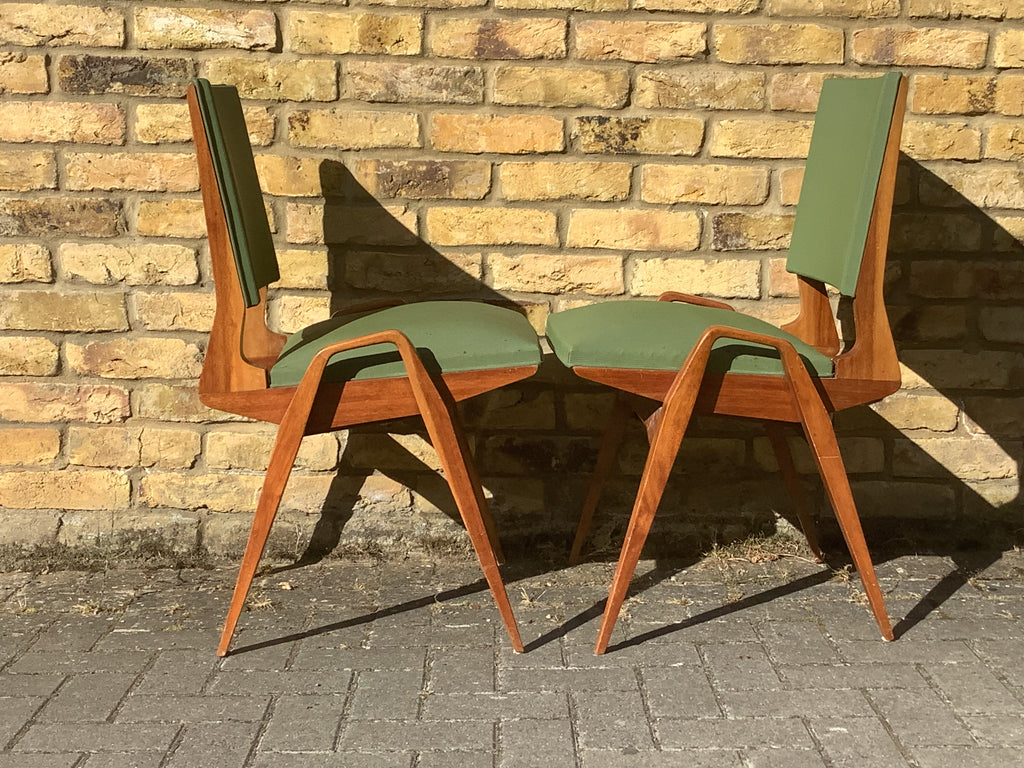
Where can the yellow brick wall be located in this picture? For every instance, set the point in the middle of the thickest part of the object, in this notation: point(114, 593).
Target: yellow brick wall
point(551, 153)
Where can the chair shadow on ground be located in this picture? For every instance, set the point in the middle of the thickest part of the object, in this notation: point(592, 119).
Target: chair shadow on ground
point(948, 337)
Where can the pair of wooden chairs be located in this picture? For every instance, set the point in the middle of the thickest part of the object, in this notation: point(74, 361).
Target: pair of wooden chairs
point(687, 353)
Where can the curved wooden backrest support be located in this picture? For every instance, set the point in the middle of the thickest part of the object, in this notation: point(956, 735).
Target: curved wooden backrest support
point(241, 348)
point(872, 356)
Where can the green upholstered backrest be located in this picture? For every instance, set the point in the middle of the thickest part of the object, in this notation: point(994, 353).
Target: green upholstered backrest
point(233, 163)
point(851, 128)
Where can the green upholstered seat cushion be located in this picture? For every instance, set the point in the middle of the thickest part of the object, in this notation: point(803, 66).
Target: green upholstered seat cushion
point(450, 336)
point(659, 335)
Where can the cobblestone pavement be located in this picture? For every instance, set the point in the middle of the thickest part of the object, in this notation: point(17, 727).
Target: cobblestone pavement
point(405, 665)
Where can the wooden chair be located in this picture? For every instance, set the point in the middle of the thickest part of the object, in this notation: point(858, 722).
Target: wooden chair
point(695, 355)
point(366, 365)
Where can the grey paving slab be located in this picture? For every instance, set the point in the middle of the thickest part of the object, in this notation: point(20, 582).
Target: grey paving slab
point(404, 665)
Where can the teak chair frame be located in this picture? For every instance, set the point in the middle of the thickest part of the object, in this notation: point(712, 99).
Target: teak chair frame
point(235, 379)
point(865, 373)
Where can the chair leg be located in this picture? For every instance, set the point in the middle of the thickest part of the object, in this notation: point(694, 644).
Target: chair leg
point(610, 442)
point(449, 442)
point(478, 489)
point(286, 446)
point(822, 439)
point(791, 479)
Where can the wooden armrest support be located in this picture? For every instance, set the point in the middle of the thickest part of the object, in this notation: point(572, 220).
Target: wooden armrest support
point(691, 299)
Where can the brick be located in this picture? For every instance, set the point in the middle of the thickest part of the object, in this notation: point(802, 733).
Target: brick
point(28, 356)
point(641, 41)
point(633, 230)
point(344, 223)
point(141, 264)
point(414, 272)
point(986, 188)
point(557, 274)
point(1009, 233)
point(136, 358)
point(27, 171)
point(71, 217)
point(934, 232)
point(750, 231)
point(87, 74)
point(706, 184)
point(173, 311)
point(699, 6)
point(975, 458)
point(72, 122)
point(198, 29)
point(29, 446)
point(25, 262)
point(1010, 95)
point(562, 180)
point(353, 129)
point(221, 492)
point(778, 44)
point(499, 38)
point(1005, 141)
point(998, 324)
point(639, 135)
point(290, 314)
point(753, 137)
point(302, 268)
point(491, 226)
point(727, 278)
point(921, 47)
point(143, 171)
point(251, 451)
point(171, 218)
point(568, 5)
point(953, 94)
point(953, 9)
point(50, 403)
point(64, 489)
point(392, 82)
point(63, 25)
point(289, 176)
point(363, 33)
point(22, 73)
point(700, 89)
point(31, 310)
point(929, 323)
point(1008, 48)
point(297, 80)
point(854, 9)
point(116, 446)
point(169, 123)
point(165, 402)
point(424, 179)
point(940, 278)
point(941, 141)
point(795, 91)
point(168, 448)
point(780, 282)
point(918, 410)
point(790, 182)
point(561, 87)
point(505, 134)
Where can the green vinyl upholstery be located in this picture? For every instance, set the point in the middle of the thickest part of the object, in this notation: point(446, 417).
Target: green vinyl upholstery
point(851, 129)
point(450, 336)
point(248, 228)
point(658, 335)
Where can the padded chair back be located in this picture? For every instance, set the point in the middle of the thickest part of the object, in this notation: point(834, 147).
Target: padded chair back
point(851, 129)
point(239, 186)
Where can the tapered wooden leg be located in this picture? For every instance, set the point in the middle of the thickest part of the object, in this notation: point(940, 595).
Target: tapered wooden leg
point(777, 437)
point(449, 442)
point(289, 437)
point(822, 439)
point(610, 442)
point(474, 480)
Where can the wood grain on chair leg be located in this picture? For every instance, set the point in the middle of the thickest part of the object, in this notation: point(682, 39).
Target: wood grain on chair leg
point(791, 479)
point(610, 442)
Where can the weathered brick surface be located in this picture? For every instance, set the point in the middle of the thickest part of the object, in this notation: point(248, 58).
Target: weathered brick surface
point(537, 153)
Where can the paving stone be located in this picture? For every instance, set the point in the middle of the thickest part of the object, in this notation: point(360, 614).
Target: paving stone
point(966, 757)
point(860, 676)
point(15, 714)
point(607, 758)
point(794, 703)
point(741, 666)
point(303, 724)
point(594, 680)
point(997, 730)
point(44, 662)
point(255, 682)
point(544, 705)
point(124, 760)
point(333, 760)
point(741, 733)
point(613, 720)
point(797, 643)
point(140, 708)
point(879, 652)
point(461, 669)
point(8, 760)
point(387, 695)
point(405, 736)
point(783, 758)
point(310, 658)
point(972, 688)
point(920, 718)
point(97, 737)
point(88, 630)
point(536, 743)
point(680, 692)
point(226, 745)
point(86, 698)
point(29, 685)
point(857, 742)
